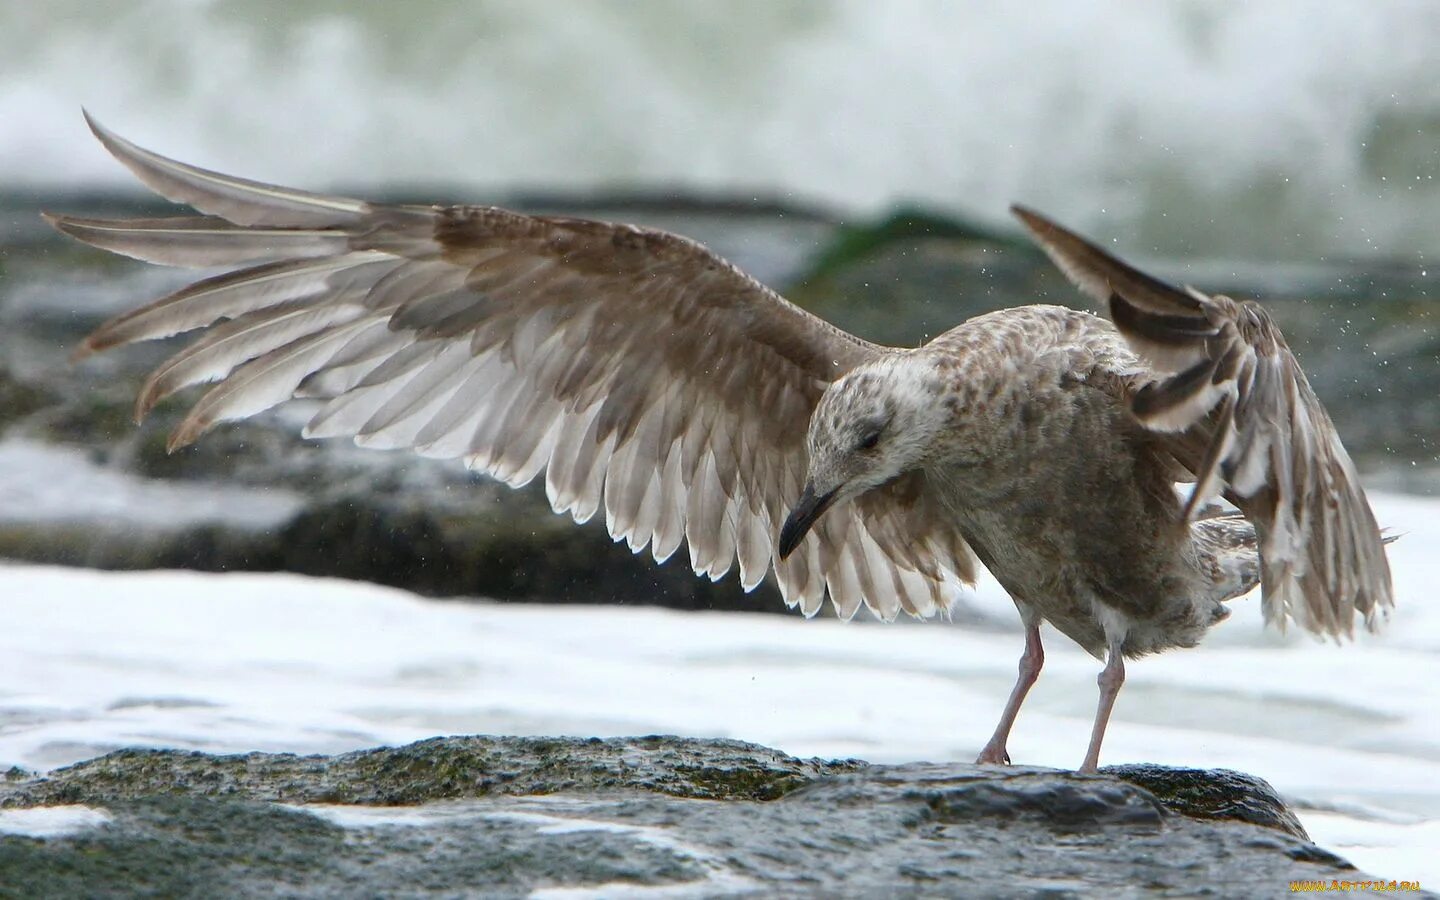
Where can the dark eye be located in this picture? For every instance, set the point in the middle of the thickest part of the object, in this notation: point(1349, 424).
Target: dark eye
point(869, 441)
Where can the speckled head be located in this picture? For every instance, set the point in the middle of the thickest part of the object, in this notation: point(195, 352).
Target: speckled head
point(872, 425)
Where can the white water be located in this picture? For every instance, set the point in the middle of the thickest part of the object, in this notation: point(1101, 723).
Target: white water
point(92, 661)
point(58, 484)
point(1273, 128)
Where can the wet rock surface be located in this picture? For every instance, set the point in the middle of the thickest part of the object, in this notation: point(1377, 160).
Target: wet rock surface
point(498, 816)
point(1367, 335)
point(1214, 794)
point(439, 769)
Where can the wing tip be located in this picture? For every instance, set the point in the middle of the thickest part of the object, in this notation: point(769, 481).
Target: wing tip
point(185, 434)
point(68, 225)
point(102, 134)
point(1055, 239)
point(1030, 218)
point(88, 348)
point(114, 144)
point(150, 394)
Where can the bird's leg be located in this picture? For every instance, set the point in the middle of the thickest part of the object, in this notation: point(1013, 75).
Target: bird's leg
point(1030, 662)
point(1111, 677)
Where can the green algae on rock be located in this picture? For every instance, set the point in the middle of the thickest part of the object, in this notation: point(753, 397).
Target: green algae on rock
point(507, 816)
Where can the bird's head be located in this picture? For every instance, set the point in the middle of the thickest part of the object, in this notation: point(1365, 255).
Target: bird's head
point(871, 426)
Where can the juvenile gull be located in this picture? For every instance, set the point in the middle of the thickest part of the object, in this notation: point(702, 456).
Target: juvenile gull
point(639, 372)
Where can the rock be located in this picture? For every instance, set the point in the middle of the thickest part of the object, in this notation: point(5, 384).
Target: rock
point(1214, 794)
point(437, 769)
point(504, 816)
point(20, 398)
point(857, 242)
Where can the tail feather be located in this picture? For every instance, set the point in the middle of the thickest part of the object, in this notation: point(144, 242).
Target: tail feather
point(1229, 552)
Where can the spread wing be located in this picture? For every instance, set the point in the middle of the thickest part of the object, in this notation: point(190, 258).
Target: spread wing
point(633, 368)
point(1245, 421)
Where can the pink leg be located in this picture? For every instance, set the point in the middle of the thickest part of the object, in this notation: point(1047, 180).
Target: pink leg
point(1111, 677)
point(1030, 663)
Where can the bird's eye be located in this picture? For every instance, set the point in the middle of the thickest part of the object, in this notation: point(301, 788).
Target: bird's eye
point(870, 440)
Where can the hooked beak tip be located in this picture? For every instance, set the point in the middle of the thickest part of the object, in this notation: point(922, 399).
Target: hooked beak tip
point(802, 518)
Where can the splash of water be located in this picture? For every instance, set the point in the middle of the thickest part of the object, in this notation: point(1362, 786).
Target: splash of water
point(1273, 129)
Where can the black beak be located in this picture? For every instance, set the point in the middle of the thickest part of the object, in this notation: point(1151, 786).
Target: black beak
point(807, 509)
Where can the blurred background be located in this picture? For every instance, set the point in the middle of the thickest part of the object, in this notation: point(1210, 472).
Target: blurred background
point(858, 156)
point(1270, 130)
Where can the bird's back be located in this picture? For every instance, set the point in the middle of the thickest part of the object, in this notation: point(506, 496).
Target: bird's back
point(1066, 499)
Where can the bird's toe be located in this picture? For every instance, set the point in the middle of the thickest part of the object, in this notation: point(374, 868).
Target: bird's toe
point(993, 756)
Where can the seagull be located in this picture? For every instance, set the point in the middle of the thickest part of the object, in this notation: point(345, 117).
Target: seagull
point(641, 374)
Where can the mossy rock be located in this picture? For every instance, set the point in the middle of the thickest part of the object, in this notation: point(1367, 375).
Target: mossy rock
point(1213, 794)
point(904, 226)
point(437, 769)
point(20, 399)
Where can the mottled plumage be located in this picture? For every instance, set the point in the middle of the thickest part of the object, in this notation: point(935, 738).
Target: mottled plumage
point(642, 375)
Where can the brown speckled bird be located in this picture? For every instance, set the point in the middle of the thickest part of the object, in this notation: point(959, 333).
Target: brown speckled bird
point(637, 371)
